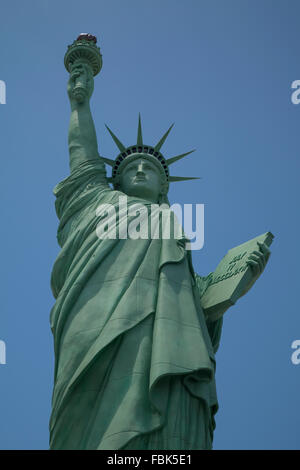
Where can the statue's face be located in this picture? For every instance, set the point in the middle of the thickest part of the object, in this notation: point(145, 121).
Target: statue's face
point(141, 178)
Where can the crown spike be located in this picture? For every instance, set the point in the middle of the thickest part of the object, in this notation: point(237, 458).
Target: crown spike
point(116, 140)
point(178, 157)
point(139, 142)
point(162, 140)
point(174, 179)
point(108, 161)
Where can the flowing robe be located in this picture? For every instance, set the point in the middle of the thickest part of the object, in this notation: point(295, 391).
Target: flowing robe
point(134, 356)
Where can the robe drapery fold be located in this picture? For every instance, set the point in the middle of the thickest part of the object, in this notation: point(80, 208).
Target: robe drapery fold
point(134, 358)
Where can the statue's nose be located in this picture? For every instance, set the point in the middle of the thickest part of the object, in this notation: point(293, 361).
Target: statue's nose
point(140, 169)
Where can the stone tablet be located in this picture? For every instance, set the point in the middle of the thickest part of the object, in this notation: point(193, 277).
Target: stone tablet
point(227, 283)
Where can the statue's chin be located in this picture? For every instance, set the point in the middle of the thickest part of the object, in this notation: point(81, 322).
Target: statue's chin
point(142, 194)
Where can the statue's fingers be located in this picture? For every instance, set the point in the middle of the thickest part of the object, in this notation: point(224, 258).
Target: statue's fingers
point(74, 75)
point(265, 249)
point(259, 259)
point(251, 262)
point(255, 256)
point(254, 265)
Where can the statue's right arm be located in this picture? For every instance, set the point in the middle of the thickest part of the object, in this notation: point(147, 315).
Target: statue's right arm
point(82, 137)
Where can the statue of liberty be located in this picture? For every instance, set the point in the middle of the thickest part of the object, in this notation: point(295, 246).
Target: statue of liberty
point(134, 350)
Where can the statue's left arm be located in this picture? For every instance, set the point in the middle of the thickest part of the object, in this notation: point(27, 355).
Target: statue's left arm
point(257, 260)
point(214, 327)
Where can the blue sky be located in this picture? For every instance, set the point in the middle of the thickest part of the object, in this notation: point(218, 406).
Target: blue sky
point(222, 71)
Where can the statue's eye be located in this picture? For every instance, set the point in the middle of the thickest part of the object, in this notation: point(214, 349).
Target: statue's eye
point(131, 169)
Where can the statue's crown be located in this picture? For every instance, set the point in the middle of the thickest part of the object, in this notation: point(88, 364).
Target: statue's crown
point(127, 154)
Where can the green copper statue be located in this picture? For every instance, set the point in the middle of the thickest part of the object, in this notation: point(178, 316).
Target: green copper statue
point(134, 343)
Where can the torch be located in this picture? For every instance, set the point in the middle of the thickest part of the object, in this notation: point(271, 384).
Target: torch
point(83, 51)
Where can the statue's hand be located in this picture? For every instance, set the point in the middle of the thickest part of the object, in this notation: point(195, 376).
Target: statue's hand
point(80, 84)
point(257, 260)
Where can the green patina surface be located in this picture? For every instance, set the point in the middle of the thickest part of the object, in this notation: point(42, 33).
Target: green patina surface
point(134, 349)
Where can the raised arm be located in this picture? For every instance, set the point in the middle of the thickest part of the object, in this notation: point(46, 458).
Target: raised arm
point(82, 135)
